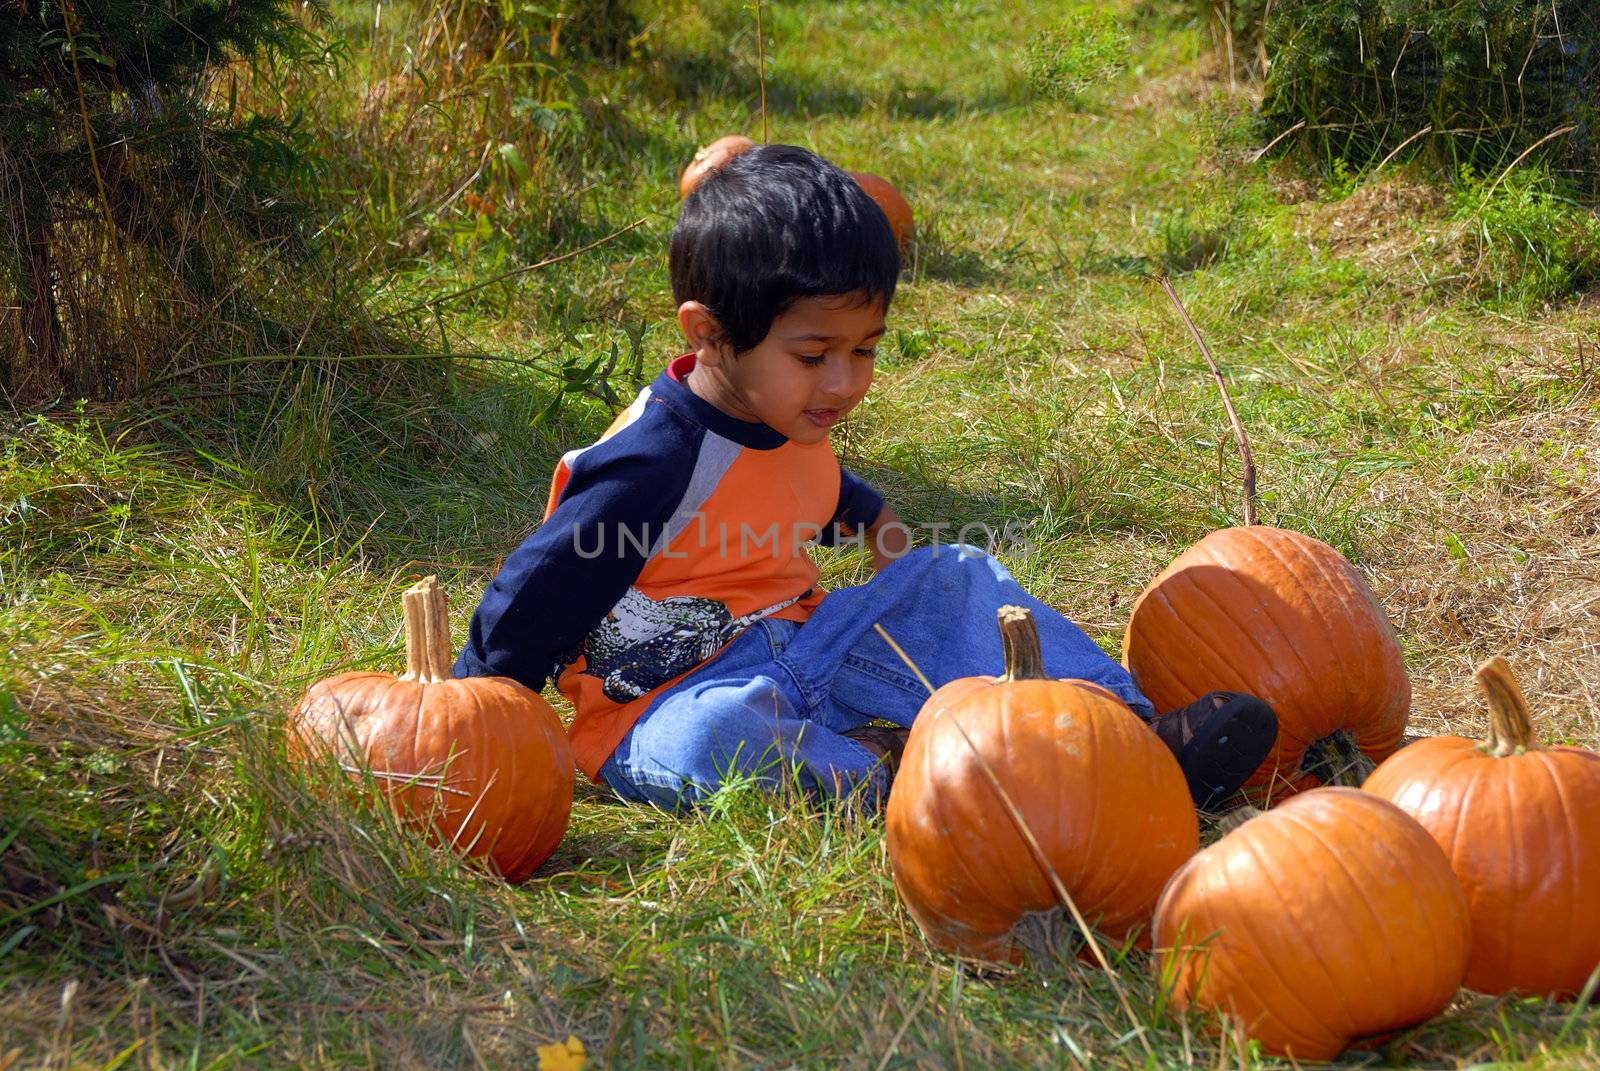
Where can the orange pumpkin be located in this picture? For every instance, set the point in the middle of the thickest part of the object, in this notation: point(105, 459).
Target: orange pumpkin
point(1282, 616)
point(709, 158)
point(894, 206)
point(1103, 798)
point(1332, 917)
point(483, 763)
point(1521, 826)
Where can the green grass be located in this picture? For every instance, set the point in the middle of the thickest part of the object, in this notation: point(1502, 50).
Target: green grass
point(1420, 388)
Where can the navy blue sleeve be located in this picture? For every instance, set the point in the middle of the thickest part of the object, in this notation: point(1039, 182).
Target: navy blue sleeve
point(560, 583)
point(859, 506)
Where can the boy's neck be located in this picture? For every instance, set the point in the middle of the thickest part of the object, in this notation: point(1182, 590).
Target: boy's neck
point(713, 388)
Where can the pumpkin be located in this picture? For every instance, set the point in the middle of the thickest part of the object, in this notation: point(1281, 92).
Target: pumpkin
point(1284, 617)
point(1332, 917)
point(482, 764)
point(709, 158)
point(1520, 825)
point(1103, 799)
point(894, 206)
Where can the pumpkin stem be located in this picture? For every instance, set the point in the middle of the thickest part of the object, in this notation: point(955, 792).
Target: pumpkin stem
point(1236, 818)
point(1239, 437)
point(427, 617)
point(1510, 727)
point(1019, 637)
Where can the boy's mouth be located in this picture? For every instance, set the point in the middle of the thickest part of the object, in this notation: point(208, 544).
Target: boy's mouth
point(823, 418)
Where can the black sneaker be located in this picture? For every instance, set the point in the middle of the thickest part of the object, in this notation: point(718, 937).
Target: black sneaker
point(1220, 739)
point(888, 742)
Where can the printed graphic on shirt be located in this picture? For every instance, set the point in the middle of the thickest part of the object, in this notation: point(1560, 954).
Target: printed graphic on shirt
point(643, 642)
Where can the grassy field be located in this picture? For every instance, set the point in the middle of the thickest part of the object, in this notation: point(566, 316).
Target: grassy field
point(1422, 389)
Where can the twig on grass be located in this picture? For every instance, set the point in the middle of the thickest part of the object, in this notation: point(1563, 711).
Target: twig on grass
point(464, 291)
point(1259, 153)
point(1239, 437)
point(761, 72)
point(1556, 133)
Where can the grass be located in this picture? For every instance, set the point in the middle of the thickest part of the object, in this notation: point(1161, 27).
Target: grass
point(176, 570)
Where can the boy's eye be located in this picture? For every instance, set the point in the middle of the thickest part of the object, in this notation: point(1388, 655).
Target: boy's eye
point(871, 351)
point(812, 359)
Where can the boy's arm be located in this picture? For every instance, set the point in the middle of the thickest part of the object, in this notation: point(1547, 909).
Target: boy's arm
point(888, 538)
point(862, 509)
point(564, 578)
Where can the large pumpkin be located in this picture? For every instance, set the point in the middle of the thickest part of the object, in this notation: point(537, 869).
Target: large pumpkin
point(1284, 617)
point(1103, 798)
point(1521, 827)
point(893, 204)
point(709, 158)
point(483, 763)
point(1332, 917)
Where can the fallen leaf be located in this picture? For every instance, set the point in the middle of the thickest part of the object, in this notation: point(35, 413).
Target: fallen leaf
point(563, 1056)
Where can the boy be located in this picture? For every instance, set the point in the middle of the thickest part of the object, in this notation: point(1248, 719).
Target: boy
point(669, 593)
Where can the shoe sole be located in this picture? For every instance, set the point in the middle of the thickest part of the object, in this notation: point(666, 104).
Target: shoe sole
point(1229, 747)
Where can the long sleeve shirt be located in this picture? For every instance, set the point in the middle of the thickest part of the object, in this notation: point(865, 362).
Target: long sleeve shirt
point(661, 542)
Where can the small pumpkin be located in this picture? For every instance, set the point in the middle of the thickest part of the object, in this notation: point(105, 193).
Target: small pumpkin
point(709, 158)
point(894, 206)
point(482, 763)
point(1102, 797)
point(1332, 917)
point(1285, 617)
point(1520, 825)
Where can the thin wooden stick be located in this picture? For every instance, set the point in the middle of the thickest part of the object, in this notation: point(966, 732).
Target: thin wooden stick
point(503, 276)
point(903, 657)
point(1239, 436)
point(1569, 128)
point(1398, 148)
point(1259, 153)
point(761, 71)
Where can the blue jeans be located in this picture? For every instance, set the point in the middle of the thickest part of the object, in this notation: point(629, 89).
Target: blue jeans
point(775, 701)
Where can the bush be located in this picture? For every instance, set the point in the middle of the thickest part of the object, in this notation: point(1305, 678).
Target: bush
point(149, 214)
point(1476, 82)
point(1525, 242)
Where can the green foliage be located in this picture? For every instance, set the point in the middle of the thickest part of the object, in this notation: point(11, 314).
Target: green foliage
point(1085, 50)
point(149, 211)
point(1531, 245)
point(1460, 81)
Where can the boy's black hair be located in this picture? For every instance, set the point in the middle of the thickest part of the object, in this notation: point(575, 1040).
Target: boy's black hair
point(774, 224)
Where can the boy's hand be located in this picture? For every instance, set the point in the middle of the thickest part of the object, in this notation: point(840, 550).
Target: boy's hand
point(888, 538)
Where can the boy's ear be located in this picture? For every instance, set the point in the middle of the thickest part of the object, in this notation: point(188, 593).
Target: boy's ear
point(702, 331)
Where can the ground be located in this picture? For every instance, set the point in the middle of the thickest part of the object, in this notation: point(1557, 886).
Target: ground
point(178, 568)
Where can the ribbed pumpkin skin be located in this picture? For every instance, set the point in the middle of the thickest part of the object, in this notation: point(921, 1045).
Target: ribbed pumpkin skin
point(1103, 796)
point(1522, 833)
point(496, 742)
point(1284, 617)
point(1332, 917)
point(893, 204)
point(709, 159)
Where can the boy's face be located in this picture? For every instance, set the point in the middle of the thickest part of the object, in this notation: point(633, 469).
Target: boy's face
point(814, 366)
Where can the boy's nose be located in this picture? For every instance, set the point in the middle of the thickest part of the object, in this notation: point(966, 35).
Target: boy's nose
point(837, 382)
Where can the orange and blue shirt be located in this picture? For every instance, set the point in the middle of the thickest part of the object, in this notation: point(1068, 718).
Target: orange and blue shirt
point(661, 542)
